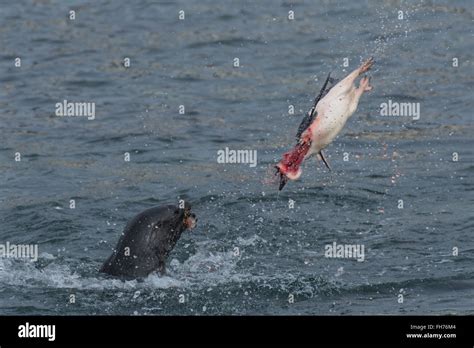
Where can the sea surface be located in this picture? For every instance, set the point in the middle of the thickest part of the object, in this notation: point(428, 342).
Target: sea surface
point(400, 187)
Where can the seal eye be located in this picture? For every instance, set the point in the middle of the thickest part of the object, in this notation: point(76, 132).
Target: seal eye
point(187, 214)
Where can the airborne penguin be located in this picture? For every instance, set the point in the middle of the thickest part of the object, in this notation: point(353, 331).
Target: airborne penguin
point(332, 108)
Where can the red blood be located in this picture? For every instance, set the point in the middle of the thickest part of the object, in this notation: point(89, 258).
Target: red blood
point(292, 159)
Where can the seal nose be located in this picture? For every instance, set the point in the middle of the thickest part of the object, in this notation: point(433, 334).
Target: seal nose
point(191, 221)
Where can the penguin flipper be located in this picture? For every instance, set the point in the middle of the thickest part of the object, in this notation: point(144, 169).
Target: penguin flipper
point(323, 158)
point(312, 114)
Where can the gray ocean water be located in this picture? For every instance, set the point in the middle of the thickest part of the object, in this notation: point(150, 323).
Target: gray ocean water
point(251, 253)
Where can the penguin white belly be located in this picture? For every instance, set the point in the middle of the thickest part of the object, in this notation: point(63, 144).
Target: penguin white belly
point(333, 114)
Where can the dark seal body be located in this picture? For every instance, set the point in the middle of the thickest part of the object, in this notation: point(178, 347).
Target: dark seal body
point(147, 241)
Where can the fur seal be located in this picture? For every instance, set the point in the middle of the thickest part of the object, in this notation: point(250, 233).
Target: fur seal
point(147, 241)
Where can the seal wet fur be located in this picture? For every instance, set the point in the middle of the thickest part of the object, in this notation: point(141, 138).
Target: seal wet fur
point(147, 241)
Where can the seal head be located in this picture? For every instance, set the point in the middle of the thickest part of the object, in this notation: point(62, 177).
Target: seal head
point(147, 241)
